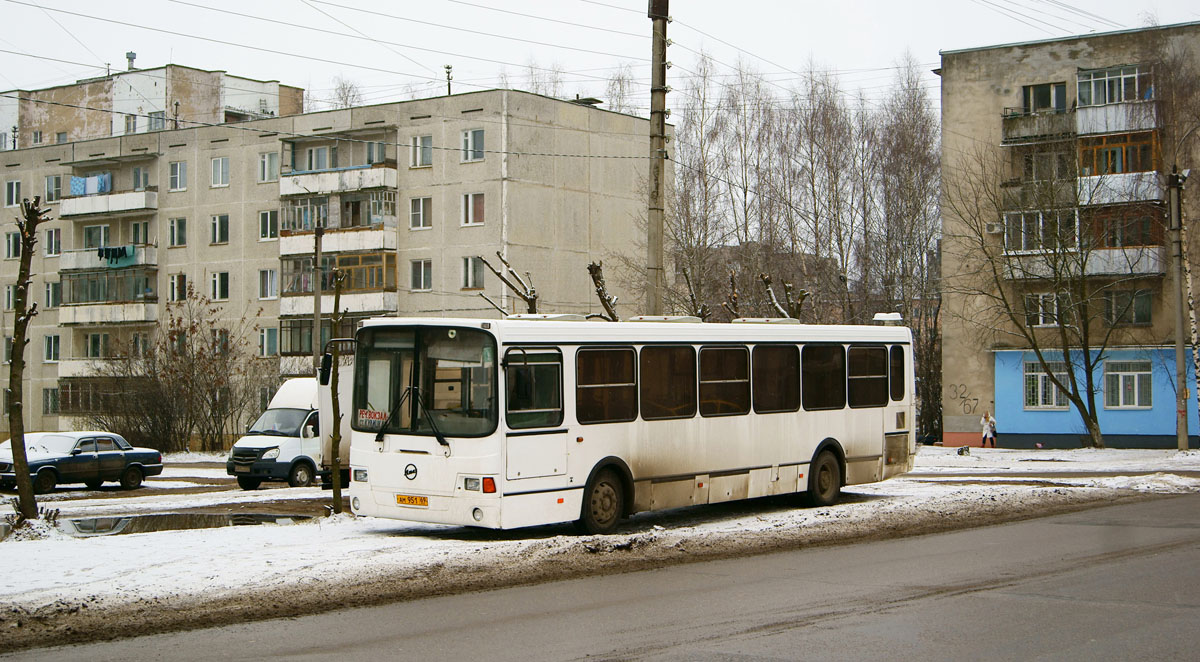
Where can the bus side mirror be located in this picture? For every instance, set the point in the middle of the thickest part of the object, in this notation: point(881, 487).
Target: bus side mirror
point(326, 368)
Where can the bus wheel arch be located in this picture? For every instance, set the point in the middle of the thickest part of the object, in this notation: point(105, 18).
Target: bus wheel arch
point(821, 491)
point(609, 487)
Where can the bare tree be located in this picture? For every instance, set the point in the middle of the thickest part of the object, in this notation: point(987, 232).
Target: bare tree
point(32, 215)
point(608, 301)
point(521, 286)
point(346, 93)
point(547, 81)
point(618, 90)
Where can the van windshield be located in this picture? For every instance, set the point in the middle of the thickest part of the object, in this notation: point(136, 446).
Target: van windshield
point(280, 422)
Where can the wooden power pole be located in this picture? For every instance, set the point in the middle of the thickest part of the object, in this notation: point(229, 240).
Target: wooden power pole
point(657, 12)
point(318, 232)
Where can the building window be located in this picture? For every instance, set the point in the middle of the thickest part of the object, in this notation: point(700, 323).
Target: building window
point(8, 351)
point(140, 232)
point(422, 275)
point(51, 349)
point(420, 214)
point(1041, 309)
point(49, 401)
point(130, 123)
point(422, 152)
point(1114, 85)
point(53, 188)
point(1113, 155)
point(177, 287)
point(472, 145)
point(95, 345)
point(1041, 230)
point(177, 176)
point(268, 224)
point(95, 236)
point(376, 152)
point(37, 137)
point(178, 232)
point(158, 120)
point(268, 284)
point(12, 193)
point(141, 179)
point(305, 213)
point(1044, 97)
point(472, 209)
point(268, 341)
point(472, 273)
point(53, 242)
point(53, 294)
point(219, 229)
point(1122, 229)
point(1127, 307)
point(1048, 166)
point(12, 245)
point(268, 166)
point(318, 158)
point(60, 137)
point(1040, 391)
point(220, 171)
point(1128, 385)
point(219, 286)
point(10, 297)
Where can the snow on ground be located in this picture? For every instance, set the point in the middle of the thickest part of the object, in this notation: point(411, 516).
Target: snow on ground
point(203, 564)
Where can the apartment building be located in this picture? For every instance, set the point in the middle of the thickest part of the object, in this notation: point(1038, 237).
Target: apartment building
point(407, 197)
point(1055, 224)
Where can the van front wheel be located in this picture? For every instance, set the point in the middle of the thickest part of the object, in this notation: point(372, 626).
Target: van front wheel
point(301, 475)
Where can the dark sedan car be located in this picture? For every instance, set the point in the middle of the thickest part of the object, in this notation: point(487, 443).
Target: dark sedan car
point(89, 457)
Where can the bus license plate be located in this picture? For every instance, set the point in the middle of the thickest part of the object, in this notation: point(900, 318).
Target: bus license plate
point(409, 500)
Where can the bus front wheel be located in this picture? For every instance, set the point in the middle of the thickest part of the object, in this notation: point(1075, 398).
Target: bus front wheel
point(603, 503)
point(825, 481)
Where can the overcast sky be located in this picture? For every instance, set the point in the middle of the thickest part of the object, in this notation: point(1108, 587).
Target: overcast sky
point(391, 49)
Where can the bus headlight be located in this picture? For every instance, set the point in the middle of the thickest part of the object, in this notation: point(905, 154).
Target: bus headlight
point(471, 484)
point(477, 514)
point(271, 454)
point(360, 475)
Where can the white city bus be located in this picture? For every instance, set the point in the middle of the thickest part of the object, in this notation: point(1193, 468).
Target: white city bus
point(519, 422)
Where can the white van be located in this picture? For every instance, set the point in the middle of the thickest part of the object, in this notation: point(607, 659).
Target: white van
point(283, 443)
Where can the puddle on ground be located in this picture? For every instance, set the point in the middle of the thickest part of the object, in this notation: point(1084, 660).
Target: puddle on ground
point(121, 524)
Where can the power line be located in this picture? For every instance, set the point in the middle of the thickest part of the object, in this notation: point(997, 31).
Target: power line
point(364, 35)
point(551, 20)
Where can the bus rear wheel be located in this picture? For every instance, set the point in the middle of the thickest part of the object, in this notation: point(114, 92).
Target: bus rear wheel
point(825, 481)
point(603, 503)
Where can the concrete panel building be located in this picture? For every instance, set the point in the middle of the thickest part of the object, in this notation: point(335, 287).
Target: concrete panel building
point(408, 195)
point(1059, 150)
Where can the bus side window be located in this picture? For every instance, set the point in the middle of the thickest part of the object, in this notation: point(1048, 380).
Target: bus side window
point(823, 376)
point(724, 381)
point(897, 372)
point(534, 379)
point(606, 386)
point(668, 384)
point(867, 376)
point(776, 378)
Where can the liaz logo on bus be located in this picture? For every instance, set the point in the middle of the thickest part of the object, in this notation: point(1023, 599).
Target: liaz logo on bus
point(369, 419)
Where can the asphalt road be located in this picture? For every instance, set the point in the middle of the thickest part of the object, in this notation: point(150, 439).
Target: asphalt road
point(1118, 582)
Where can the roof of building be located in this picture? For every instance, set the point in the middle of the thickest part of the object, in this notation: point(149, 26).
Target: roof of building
point(1051, 40)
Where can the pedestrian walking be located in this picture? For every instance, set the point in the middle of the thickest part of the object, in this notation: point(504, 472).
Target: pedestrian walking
point(988, 423)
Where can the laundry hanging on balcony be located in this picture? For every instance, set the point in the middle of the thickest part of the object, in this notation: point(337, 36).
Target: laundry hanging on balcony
point(93, 185)
point(117, 256)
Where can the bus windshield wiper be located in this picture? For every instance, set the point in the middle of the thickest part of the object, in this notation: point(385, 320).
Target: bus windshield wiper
point(392, 414)
point(441, 439)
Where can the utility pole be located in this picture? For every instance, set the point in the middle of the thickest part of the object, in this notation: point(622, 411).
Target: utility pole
point(657, 12)
point(449, 69)
point(318, 232)
point(1174, 186)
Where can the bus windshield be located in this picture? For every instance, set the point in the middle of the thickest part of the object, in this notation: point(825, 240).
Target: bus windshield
point(411, 380)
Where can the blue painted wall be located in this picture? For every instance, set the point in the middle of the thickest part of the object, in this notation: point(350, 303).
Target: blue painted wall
point(1013, 418)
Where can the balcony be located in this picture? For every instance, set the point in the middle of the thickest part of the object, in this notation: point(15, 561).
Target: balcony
point(102, 313)
point(355, 303)
point(344, 240)
point(136, 255)
point(127, 203)
point(1121, 188)
point(338, 180)
point(1019, 127)
point(1125, 117)
point(77, 367)
point(1129, 261)
point(1020, 194)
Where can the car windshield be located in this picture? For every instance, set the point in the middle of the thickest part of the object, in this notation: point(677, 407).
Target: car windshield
point(280, 422)
point(53, 443)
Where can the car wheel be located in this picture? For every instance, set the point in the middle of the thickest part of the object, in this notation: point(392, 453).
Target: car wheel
point(93, 484)
point(248, 483)
point(131, 478)
point(825, 482)
point(44, 481)
point(603, 503)
point(301, 475)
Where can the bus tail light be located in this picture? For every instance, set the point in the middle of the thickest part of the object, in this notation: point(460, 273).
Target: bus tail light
point(489, 485)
